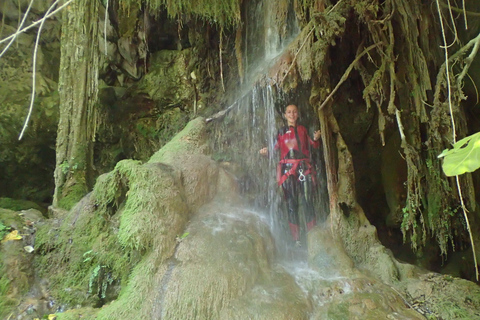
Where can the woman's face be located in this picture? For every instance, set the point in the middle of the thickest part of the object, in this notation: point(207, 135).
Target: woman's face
point(291, 114)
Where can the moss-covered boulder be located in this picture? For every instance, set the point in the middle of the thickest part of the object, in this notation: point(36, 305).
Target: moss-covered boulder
point(188, 153)
point(169, 82)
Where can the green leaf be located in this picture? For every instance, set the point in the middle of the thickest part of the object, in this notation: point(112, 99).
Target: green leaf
point(464, 157)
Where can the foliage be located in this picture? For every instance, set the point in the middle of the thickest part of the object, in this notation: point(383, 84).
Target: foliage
point(220, 12)
point(86, 241)
point(107, 233)
point(463, 157)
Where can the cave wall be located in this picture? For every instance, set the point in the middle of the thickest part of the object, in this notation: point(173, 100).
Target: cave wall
point(155, 74)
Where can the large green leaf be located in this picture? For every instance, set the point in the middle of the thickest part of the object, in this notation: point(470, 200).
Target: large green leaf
point(464, 157)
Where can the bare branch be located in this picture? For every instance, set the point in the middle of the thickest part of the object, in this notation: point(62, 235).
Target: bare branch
point(36, 22)
point(105, 28)
point(347, 72)
point(20, 26)
point(34, 73)
point(296, 54)
point(469, 59)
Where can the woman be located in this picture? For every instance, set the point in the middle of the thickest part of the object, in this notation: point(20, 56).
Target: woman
point(294, 171)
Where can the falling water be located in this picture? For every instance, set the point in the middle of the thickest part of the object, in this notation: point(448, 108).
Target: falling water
point(255, 116)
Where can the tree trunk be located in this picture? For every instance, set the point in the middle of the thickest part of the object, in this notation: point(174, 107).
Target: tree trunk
point(78, 86)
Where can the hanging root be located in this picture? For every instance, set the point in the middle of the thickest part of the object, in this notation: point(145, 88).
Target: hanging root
point(475, 43)
point(238, 52)
point(220, 55)
point(346, 74)
point(296, 54)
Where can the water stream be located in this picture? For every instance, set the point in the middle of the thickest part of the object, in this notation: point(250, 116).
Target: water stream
point(252, 123)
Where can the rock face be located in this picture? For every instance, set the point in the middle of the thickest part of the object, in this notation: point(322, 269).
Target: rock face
point(172, 239)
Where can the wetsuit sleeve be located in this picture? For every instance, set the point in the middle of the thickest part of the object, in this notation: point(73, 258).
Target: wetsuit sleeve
point(277, 143)
point(314, 144)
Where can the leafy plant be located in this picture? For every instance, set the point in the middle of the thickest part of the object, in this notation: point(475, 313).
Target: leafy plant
point(464, 157)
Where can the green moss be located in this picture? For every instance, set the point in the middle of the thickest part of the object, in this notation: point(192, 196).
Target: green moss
point(74, 194)
point(81, 313)
point(10, 218)
point(135, 293)
point(6, 303)
point(17, 205)
point(338, 311)
point(190, 139)
point(221, 12)
point(128, 16)
point(112, 229)
point(85, 241)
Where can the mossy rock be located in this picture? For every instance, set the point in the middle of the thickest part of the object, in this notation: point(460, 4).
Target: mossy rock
point(168, 81)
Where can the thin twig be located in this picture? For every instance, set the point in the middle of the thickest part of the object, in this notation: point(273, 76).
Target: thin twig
point(453, 57)
point(453, 24)
point(469, 59)
point(475, 87)
point(457, 179)
point(34, 73)
point(347, 72)
point(400, 126)
point(222, 112)
point(220, 54)
point(296, 54)
point(465, 15)
point(105, 28)
point(333, 8)
point(463, 11)
point(19, 26)
point(405, 300)
point(449, 87)
point(36, 22)
point(305, 41)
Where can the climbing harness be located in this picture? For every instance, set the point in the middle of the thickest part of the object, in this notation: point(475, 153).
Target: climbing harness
point(293, 170)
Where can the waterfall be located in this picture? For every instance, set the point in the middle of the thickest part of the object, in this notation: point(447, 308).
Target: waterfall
point(255, 116)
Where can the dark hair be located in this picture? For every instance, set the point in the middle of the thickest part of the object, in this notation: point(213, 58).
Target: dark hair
point(290, 104)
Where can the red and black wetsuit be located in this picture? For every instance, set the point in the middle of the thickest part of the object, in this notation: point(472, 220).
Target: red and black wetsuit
point(294, 174)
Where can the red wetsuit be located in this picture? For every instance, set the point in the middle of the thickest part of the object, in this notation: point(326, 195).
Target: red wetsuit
point(289, 146)
point(296, 175)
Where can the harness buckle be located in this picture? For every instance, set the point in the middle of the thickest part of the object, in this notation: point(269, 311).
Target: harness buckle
point(301, 176)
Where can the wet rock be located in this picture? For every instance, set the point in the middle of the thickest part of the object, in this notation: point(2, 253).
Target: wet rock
point(327, 253)
point(442, 296)
point(186, 152)
point(238, 248)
